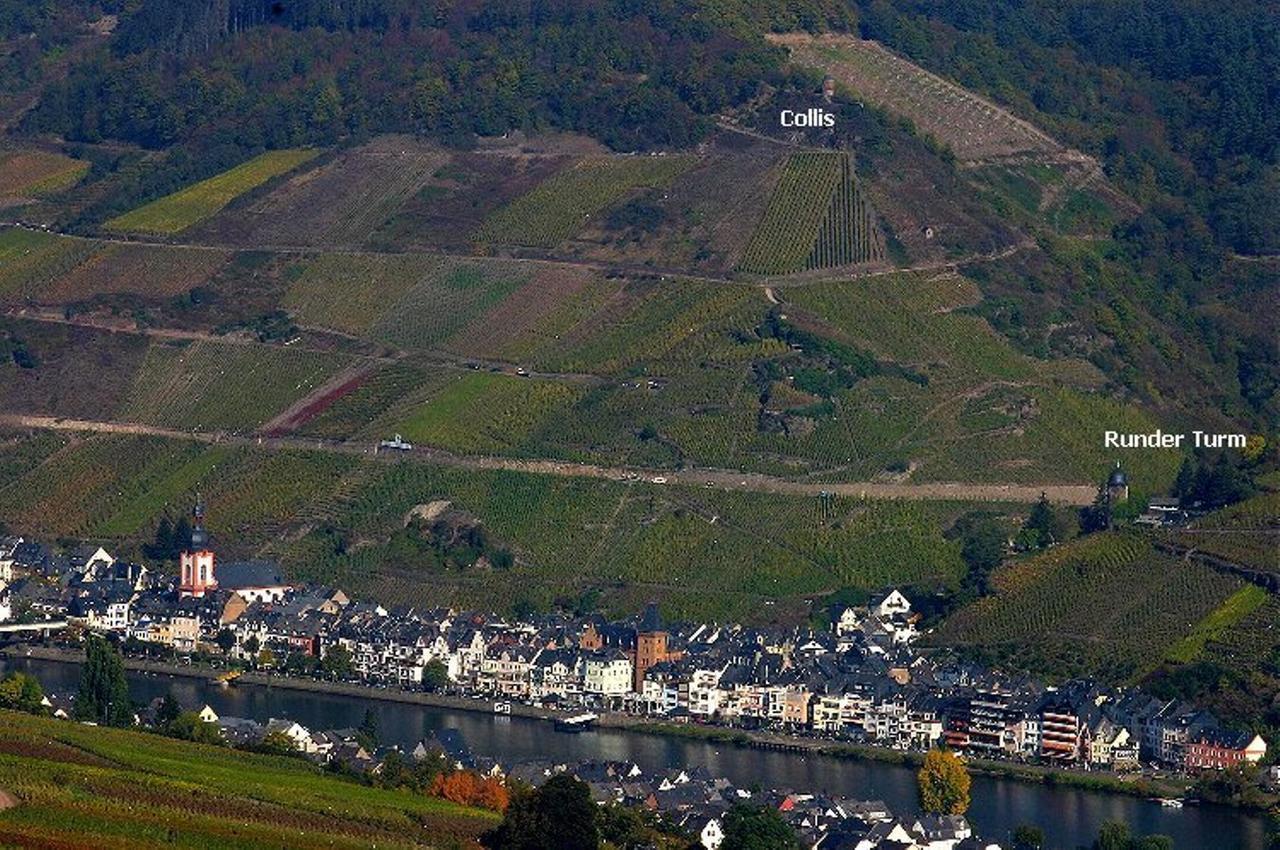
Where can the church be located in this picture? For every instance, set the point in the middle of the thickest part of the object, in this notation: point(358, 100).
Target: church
point(199, 572)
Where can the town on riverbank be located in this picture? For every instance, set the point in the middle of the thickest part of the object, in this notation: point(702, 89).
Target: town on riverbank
point(859, 686)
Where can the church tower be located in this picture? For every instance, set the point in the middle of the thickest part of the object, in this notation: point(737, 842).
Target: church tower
point(651, 645)
point(196, 561)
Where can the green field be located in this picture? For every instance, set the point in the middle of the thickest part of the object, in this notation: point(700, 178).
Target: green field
point(1108, 605)
point(557, 208)
point(85, 786)
point(211, 386)
point(1234, 609)
point(175, 213)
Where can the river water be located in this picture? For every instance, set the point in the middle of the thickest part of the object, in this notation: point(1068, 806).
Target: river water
point(1069, 817)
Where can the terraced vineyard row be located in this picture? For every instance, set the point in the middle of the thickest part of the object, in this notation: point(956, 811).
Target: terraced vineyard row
point(479, 412)
point(339, 204)
point(1106, 604)
point(179, 211)
point(557, 208)
point(31, 260)
point(350, 293)
point(972, 127)
point(785, 238)
point(445, 299)
point(209, 386)
point(848, 234)
point(31, 173)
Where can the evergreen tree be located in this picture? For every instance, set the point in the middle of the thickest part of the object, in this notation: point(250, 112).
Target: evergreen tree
point(369, 731)
point(1044, 521)
point(103, 696)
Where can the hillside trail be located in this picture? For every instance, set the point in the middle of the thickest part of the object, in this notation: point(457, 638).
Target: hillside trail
point(807, 278)
point(722, 479)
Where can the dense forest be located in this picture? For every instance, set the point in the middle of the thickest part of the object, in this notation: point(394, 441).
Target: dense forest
point(634, 74)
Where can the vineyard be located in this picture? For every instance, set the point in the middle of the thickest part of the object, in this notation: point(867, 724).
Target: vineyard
point(816, 219)
point(349, 292)
point(368, 403)
point(557, 208)
point(85, 484)
point(702, 553)
point(82, 786)
point(211, 386)
point(1247, 533)
point(480, 412)
point(1106, 605)
point(801, 204)
point(148, 270)
point(513, 326)
point(446, 299)
point(972, 127)
point(31, 173)
point(78, 371)
point(21, 453)
point(184, 208)
point(848, 234)
point(339, 204)
point(31, 260)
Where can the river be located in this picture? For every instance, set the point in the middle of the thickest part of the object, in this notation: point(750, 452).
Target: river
point(1069, 817)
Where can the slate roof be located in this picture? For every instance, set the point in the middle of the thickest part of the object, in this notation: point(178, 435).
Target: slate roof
point(239, 575)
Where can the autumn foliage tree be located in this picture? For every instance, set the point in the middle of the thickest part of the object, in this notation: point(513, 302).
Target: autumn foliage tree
point(468, 788)
point(943, 783)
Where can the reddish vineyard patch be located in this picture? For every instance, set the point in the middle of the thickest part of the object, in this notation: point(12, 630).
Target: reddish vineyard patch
point(313, 405)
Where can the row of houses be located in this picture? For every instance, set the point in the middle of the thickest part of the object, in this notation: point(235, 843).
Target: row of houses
point(861, 680)
point(688, 798)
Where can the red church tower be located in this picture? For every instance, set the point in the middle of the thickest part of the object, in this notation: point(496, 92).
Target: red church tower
point(197, 561)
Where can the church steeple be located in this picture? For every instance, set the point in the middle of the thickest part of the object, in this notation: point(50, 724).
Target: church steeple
point(197, 562)
point(199, 537)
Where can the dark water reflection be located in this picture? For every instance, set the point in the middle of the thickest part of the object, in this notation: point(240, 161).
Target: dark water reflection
point(1069, 817)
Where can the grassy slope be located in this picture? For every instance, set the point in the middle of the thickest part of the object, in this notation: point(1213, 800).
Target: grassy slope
point(80, 786)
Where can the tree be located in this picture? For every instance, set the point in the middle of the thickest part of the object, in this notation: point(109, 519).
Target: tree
point(943, 783)
point(557, 816)
point(758, 828)
point(982, 551)
point(468, 788)
point(369, 731)
point(103, 696)
point(190, 727)
point(225, 640)
point(1028, 837)
point(1044, 521)
point(435, 675)
point(168, 711)
point(336, 662)
point(277, 743)
point(22, 692)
